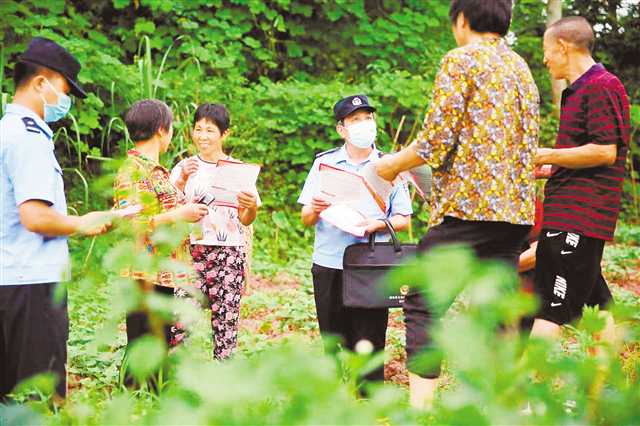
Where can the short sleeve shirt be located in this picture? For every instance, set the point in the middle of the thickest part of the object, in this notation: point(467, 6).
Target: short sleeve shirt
point(222, 226)
point(330, 241)
point(480, 135)
point(594, 109)
point(142, 181)
point(30, 171)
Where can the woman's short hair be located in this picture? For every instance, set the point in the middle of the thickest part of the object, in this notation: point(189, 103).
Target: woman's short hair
point(214, 113)
point(484, 16)
point(146, 117)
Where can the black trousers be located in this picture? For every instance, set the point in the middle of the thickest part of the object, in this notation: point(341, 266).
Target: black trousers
point(138, 325)
point(138, 321)
point(489, 240)
point(33, 335)
point(350, 325)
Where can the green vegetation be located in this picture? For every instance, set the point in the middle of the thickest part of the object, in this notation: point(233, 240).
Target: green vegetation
point(282, 377)
point(280, 65)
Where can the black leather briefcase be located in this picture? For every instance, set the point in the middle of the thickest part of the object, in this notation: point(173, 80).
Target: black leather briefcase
point(365, 269)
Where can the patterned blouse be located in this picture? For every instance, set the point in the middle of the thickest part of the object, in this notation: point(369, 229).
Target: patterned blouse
point(222, 226)
point(480, 135)
point(143, 181)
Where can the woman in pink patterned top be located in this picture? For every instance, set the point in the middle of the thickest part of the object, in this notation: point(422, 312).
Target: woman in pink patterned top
point(218, 248)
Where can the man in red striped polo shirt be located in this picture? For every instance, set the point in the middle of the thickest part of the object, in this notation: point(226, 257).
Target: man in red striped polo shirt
point(582, 195)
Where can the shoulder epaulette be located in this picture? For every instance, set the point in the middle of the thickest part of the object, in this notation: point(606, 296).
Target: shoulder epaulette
point(327, 152)
point(31, 126)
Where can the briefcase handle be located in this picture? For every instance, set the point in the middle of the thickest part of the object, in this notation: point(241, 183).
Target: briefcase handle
point(394, 238)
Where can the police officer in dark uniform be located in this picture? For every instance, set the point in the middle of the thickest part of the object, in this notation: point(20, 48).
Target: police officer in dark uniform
point(34, 224)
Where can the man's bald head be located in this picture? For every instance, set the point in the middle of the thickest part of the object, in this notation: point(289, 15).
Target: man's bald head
point(575, 30)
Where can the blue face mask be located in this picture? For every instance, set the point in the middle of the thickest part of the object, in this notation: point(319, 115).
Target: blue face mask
point(53, 113)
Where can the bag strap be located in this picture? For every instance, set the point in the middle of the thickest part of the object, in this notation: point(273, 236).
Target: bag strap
point(394, 238)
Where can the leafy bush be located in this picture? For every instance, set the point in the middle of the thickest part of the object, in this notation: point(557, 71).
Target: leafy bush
point(275, 64)
point(294, 383)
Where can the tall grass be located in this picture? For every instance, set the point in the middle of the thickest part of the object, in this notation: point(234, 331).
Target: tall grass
point(148, 85)
point(150, 88)
point(85, 184)
point(145, 66)
point(106, 134)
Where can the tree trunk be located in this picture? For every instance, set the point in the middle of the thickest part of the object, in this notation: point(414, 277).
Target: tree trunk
point(554, 12)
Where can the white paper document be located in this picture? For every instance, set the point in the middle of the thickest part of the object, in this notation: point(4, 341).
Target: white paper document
point(230, 178)
point(383, 188)
point(345, 218)
point(339, 186)
point(420, 178)
point(128, 211)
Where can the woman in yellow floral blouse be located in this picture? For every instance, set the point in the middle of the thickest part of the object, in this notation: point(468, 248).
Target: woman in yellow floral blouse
point(479, 136)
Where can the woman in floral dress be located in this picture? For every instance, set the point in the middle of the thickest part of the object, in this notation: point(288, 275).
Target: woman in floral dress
point(219, 248)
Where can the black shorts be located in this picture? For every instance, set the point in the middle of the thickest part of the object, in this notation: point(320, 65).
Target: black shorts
point(490, 241)
point(568, 275)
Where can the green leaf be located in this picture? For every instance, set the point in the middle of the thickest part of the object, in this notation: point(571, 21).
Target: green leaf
point(294, 50)
point(280, 219)
point(251, 42)
point(40, 384)
point(302, 9)
point(592, 321)
point(334, 14)
point(118, 411)
point(144, 27)
point(121, 4)
point(145, 356)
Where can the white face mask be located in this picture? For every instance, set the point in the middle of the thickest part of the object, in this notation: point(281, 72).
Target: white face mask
point(362, 134)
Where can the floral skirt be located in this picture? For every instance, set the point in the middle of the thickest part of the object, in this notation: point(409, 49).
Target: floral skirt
point(220, 275)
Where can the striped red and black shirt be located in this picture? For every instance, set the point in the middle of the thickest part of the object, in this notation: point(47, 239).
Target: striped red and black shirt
point(595, 109)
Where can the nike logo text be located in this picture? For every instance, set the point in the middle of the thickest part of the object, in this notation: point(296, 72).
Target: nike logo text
point(565, 252)
point(572, 239)
point(555, 234)
point(553, 305)
point(560, 287)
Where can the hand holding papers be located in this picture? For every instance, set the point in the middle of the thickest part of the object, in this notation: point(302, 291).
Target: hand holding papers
point(349, 193)
point(420, 178)
point(380, 187)
point(229, 179)
point(346, 192)
point(319, 204)
point(346, 219)
point(340, 186)
point(543, 171)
